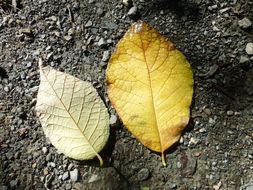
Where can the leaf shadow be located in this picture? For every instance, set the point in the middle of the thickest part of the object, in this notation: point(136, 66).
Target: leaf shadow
point(178, 7)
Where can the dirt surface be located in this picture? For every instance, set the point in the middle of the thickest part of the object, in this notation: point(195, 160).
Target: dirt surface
point(215, 151)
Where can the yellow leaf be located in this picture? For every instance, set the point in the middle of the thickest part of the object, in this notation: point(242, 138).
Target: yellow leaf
point(72, 114)
point(150, 84)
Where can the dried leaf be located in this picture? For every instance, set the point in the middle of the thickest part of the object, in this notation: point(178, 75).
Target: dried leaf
point(72, 115)
point(150, 84)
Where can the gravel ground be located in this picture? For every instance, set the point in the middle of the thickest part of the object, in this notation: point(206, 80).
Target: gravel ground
point(77, 37)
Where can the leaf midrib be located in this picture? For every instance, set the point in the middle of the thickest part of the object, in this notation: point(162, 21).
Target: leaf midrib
point(151, 91)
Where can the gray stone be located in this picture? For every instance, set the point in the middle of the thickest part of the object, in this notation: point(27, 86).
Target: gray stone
point(29, 65)
point(36, 52)
point(127, 3)
point(17, 155)
point(173, 186)
point(249, 48)
point(106, 55)
point(13, 183)
point(244, 59)
point(93, 178)
point(100, 11)
point(26, 31)
point(3, 187)
point(193, 141)
point(2, 116)
point(132, 12)
point(101, 42)
point(111, 25)
point(247, 187)
point(53, 18)
point(113, 120)
point(52, 164)
point(70, 166)
point(74, 175)
point(181, 140)
point(6, 89)
point(9, 155)
point(49, 157)
point(44, 150)
point(35, 89)
point(65, 175)
point(67, 38)
point(88, 24)
point(68, 187)
point(211, 121)
point(244, 23)
point(143, 174)
point(230, 113)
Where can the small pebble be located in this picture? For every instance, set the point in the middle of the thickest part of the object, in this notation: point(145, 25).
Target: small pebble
point(127, 3)
point(202, 130)
point(70, 166)
point(68, 186)
point(26, 31)
point(181, 140)
point(244, 59)
point(178, 164)
point(44, 150)
point(143, 174)
point(193, 141)
point(101, 42)
point(74, 175)
point(93, 178)
point(13, 183)
point(230, 113)
point(17, 155)
point(211, 121)
point(100, 11)
point(249, 48)
point(29, 65)
point(106, 55)
point(6, 89)
point(67, 38)
point(9, 155)
point(77, 186)
point(207, 111)
point(88, 24)
point(65, 176)
point(49, 157)
point(244, 23)
point(3, 187)
point(113, 120)
point(53, 18)
point(52, 164)
point(132, 12)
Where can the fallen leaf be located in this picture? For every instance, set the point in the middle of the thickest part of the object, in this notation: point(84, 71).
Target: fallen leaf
point(150, 84)
point(72, 114)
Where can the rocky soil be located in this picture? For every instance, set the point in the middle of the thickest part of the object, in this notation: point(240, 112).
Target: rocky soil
point(77, 37)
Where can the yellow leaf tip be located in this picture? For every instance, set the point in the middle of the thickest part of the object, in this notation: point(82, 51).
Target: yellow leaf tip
point(163, 160)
